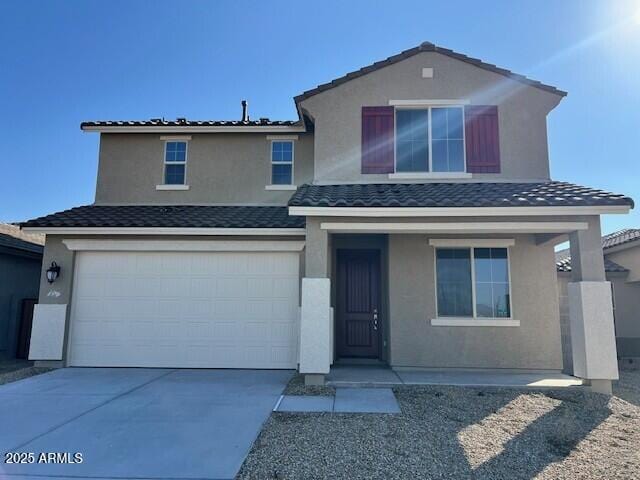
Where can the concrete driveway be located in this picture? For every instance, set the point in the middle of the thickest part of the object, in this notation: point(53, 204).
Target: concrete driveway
point(137, 423)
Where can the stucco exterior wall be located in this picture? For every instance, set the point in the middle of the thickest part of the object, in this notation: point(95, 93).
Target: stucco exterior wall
point(626, 297)
point(628, 258)
point(221, 169)
point(522, 111)
point(535, 344)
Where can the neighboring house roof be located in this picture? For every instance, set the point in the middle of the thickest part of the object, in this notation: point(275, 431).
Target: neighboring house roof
point(427, 47)
point(12, 237)
point(501, 194)
point(620, 237)
point(170, 216)
point(183, 122)
point(563, 257)
point(564, 265)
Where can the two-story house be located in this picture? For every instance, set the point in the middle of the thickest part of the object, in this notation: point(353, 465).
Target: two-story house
point(407, 217)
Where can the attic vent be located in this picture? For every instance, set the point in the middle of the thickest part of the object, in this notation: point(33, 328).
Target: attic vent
point(427, 72)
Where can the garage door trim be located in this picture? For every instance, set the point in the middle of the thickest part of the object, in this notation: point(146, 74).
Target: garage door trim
point(184, 245)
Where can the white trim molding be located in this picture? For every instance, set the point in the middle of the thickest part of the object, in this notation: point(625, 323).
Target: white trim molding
point(429, 176)
point(474, 322)
point(472, 242)
point(428, 102)
point(454, 227)
point(176, 138)
point(184, 245)
point(281, 187)
point(167, 187)
point(164, 231)
point(282, 137)
point(453, 211)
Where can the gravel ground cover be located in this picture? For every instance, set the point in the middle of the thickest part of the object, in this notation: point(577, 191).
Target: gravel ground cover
point(297, 387)
point(458, 433)
point(19, 374)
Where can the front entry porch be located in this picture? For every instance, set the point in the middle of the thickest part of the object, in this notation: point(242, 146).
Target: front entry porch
point(459, 300)
point(378, 376)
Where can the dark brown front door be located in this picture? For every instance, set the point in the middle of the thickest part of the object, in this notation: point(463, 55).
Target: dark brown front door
point(358, 303)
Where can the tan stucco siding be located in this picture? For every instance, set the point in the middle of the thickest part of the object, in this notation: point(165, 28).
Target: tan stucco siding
point(535, 344)
point(626, 298)
point(628, 258)
point(221, 169)
point(522, 114)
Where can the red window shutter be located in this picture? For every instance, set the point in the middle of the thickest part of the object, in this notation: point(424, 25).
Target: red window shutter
point(482, 138)
point(377, 140)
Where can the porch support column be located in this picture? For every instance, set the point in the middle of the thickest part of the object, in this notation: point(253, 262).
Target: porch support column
point(315, 317)
point(591, 312)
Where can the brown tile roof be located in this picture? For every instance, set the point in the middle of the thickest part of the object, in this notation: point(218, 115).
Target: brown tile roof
point(170, 216)
point(183, 122)
point(620, 237)
point(564, 265)
point(468, 194)
point(563, 257)
point(428, 47)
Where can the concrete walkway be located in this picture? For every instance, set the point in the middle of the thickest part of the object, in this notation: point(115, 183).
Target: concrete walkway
point(137, 423)
point(346, 400)
point(365, 376)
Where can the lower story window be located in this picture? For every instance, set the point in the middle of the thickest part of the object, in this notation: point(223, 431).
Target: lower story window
point(473, 282)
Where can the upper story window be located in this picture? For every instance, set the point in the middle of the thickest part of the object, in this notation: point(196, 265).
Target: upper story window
point(282, 162)
point(175, 163)
point(430, 140)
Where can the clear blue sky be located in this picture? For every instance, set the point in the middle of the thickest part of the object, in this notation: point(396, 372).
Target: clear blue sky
point(63, 62)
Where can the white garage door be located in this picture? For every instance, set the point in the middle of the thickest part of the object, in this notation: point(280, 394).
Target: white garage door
point(185, 309)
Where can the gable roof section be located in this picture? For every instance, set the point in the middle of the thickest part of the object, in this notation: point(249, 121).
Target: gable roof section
point(168, 216)
point(428, 47)
point(471, 194)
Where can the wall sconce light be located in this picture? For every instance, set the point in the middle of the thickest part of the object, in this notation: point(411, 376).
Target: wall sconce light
point(53, 272)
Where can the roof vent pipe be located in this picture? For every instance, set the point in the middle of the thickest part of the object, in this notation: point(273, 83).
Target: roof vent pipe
point(245, 112)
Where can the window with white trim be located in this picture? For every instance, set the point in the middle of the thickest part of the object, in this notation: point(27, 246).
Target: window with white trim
point(175, 163)
point(430, 139)
point(473, 282)
point(282, 162)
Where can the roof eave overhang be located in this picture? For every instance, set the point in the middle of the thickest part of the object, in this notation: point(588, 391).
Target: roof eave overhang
point(165, 231)
point(193, 129)
point(455, 211)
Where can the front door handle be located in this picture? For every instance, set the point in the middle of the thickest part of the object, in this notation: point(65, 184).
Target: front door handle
point(375, 319)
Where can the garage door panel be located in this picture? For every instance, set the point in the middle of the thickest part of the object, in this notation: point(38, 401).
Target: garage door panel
point(185, 309)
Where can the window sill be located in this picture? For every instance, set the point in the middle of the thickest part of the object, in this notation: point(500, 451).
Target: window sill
point(474, 322)
point(281, 187)
point(428, 175)
point(172, 187)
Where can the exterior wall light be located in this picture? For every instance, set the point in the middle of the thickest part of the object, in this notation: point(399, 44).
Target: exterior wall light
point(53, 272)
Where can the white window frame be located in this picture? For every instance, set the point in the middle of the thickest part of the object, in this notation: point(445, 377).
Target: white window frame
point(473, 321)
point(430, 173)
point(282, 186)
point(174, 186)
